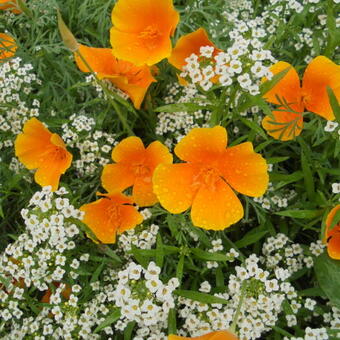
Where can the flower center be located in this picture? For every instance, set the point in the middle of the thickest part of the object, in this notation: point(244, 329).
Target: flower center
point(140, 170)
point(150, 36)
point(115, 214)
point(208, 176)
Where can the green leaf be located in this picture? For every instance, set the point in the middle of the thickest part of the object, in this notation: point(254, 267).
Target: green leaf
point(294, 177)
point(334, 103)
point(327, 273)
point(129, 329)
point(205, 255)
point(308, 176)
point(200, 297)
point(255, 127)
point(180, 107)
point(251, 237)
point(300, 213)
point(179, 268)
point(142, 260)
point(172, 327)
point(113, 317)
point(160, 251)
point(274, 160)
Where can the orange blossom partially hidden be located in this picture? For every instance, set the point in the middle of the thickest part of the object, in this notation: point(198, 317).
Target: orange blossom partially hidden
point(218, 335)
point(333, 234)
point(7, 46)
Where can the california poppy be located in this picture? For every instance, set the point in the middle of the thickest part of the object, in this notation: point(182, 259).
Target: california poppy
point(131, 79)
point(332, 235)
point(320, 73)
point(38, 148)
point(112, 214)
point(134, 167)
point(10, 5)
point(190, 44)
point(141, 30)
point(7, 46)
point(219, 335)
point(205, 181)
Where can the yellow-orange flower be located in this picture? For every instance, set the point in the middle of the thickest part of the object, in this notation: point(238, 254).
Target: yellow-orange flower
point(205, 181)
point(218, 335)
point(131, 79)
point(134, 167)
point(332, 235)
point(189, 44)
point(320, 73)
point(10, 5)
point(110, 215)
point(7, 46)
point(38, 148)
point(141, 30)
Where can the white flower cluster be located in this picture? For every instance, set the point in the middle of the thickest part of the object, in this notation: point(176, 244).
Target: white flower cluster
point(41, 255)
point(141, 237)
point(17, 81)
point(145, 299)
point(94, 146)
point(175, 125)
point(261, 294)
point(280, 251)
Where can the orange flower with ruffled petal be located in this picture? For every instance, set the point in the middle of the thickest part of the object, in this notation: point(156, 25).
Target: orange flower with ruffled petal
point(110, 215)
point(134, 167)
point(207, 179)
point(38, 148)
point(131, 79)
point(332, 235)
point(10, 5)
point(312, 96)
point(141, 30)
point(218, 335)
point(7, 46)
point(189, 44)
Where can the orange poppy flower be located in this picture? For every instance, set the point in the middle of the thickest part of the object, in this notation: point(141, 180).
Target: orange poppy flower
point(134, 167)
point(189, 44)
point(109, 215)
point(320, 73)
point(205, 182)
point(131, 79)
point(10, 5)
point(66, 292)
point(38, 148)
point(141, 30)
point(219, 335)
point(7, 46)
point(332, 236)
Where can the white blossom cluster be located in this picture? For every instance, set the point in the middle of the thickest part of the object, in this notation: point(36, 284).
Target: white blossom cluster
point(142, 237)
point(175, 125)
point(262, 291)
point(279, 251)
point(17, 81)
point(94, 146)
point(145, 299)
point(41, 255)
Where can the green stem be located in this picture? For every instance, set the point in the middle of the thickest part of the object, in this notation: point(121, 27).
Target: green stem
point(108, 94)
point(239, 306)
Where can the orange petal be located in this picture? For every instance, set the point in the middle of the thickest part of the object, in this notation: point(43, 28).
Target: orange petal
point(100, 60)
point(10, 5)
point(219, 335)
point(117, 177)
point(174, 186)
point(53, 166)
point(142, 192)
point(285, 125)
point(216, 207)
point(109, 215)
point(142, 29)
point(333, 246)
point(320, 73)
point(157, 153)
point(129, 151)
point(329, 220)
point(202, 144)
point(7, 46)
point(189, 44)
point(288, 87)
point(30, 145)
point(245, 170)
